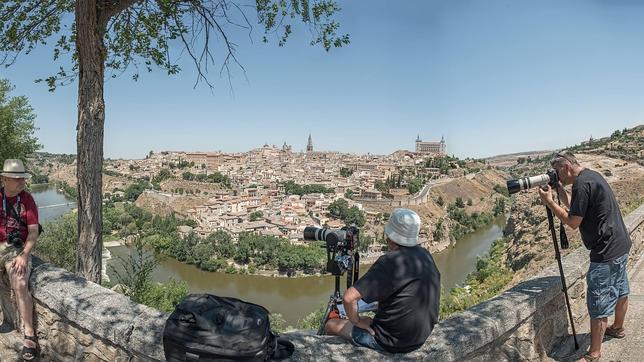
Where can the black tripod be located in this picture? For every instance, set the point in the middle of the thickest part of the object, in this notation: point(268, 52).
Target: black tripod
point(353, 271)
point(564, 245)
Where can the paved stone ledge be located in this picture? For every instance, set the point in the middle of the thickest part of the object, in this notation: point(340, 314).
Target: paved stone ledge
point(527, 322)
point(80, 320)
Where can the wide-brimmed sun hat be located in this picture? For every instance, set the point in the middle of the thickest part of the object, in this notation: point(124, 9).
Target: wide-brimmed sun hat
point(403, 227)
point(14, 169)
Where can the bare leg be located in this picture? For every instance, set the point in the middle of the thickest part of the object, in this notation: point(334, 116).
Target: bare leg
point(339, 327)
point(597, 329)
point(620, 312)
point(20, 285)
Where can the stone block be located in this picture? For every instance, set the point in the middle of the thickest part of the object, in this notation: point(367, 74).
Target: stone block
point(63, 344)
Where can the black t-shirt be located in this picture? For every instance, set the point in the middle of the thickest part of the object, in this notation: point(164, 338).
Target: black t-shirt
point(406, 283)
point(602, 228)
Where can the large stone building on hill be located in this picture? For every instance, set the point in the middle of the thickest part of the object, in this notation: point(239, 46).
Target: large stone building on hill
point(437, 148)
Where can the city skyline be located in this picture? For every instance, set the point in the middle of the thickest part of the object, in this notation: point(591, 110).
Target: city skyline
point(494, 78)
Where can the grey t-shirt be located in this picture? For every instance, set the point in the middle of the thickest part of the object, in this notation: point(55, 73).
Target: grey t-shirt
point(602, 228)
point(406, 283)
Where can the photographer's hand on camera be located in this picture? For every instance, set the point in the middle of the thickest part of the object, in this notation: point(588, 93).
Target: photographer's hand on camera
point(545, 193)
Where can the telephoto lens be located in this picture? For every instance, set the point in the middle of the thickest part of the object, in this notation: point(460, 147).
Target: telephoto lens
point(525, 183)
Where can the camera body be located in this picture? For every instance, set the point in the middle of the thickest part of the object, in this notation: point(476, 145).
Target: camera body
point(15, 239)
point(525, 183)
point(340, 245)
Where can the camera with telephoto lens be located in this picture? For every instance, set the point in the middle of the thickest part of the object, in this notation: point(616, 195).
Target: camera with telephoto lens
point(15, 239)
point(339, 243)
point(525, 183)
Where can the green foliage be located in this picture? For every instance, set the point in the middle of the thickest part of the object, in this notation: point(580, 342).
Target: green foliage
point(39, 179)
point(444, 164)
point(466, 223)
point(163, 175)
point(312, 320)
point(164, 296)
point(439, 233)
point(415, 185)
point(348, 194)
point(266, 252)
point(499, 206)
point(381, 186)
point(255, 215)
point(502, 190)
point(16, 123)
point(459, 202)
point(68, 190)
point(215, 177)
point(350, 215)
point(135, 278)
point(136, 272)
point(440, 201)
point(140, 34)
point(291, 188)
point(278, 323)
point(133, 191)
point(469, 202)
point(346, 172)
point(489, 278)
point(58, 244)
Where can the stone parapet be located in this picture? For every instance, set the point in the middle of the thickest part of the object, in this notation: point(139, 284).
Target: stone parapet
point(80, 320)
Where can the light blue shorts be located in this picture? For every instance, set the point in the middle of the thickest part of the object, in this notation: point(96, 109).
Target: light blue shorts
point(363, 338)
point(607, 282)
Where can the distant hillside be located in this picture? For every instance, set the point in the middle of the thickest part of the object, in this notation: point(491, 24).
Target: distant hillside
point(618, 158)
point(626, 144)
point(511, 159)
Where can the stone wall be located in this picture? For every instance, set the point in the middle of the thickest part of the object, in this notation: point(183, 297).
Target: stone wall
point(79, 320)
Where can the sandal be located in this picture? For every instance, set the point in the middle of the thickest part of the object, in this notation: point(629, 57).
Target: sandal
point(30, 353)
point(589, 358)
point(615, 332)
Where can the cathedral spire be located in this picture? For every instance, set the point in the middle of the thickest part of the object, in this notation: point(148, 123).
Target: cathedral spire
point(309, 145)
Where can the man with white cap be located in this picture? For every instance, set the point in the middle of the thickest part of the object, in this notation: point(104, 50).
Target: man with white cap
point(406, 284)
point(19, 230)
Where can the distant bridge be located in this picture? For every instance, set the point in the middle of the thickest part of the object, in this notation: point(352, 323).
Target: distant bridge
point(57, 205)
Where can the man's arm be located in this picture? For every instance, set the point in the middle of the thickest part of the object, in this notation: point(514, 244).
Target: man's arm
point(32, 236)
point(21, 262)
point(561, 213)
point(350, 302)
point(564, 196)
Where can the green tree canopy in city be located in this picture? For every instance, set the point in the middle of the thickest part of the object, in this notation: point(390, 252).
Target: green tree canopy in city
point(97, 38)
point(17, 128)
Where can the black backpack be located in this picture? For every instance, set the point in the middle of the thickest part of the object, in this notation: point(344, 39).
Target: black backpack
point(205, 327)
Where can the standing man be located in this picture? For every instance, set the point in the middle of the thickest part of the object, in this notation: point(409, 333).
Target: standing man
point(406, 284)
point(594, 210)
point(18, 233)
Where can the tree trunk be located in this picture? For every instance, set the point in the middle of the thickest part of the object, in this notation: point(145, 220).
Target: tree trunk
point(89, 141)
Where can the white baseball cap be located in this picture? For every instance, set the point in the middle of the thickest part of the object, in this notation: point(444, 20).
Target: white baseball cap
point(403, 227)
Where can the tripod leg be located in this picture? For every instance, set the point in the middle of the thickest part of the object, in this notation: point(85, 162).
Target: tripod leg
point(564, 288)
point(325, 317)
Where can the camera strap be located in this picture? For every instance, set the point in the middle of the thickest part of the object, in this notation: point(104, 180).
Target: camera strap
point(11, 209)
point(563, 238)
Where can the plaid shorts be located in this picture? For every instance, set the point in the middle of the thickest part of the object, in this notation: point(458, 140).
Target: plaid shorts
point(7, 254)
point(607, 282)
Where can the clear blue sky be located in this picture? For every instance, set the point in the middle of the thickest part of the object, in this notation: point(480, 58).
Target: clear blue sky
point(491, 76)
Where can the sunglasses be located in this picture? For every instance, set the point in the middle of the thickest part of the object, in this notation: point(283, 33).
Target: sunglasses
point(561, 155)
